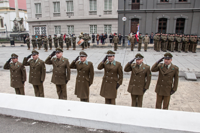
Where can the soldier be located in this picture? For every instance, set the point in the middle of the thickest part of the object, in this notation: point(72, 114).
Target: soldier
point(39, 41)
point(158, 42)
point(85, 76)
point(28, 42)
point(17, 74)
point(132, 41)
point(115, 41)
point(37, 72)
point(89, 39)
point(112, 78)
point(33, 40)
point(55, 39)
point(45, 41)
point(171, 42)
point(67, 40)
point(61, 41)
point(146, 42)
point(70, 42)
point(155, 41)
point(84, 45)
point(167, 80)
point(60, 66)
point(194, 47)
point(164, 42)
point(140, 79)
point(179, 42)
point(80, 36)
point(187, 44)
point(140, 42)
point(74, 41)
point(50, 42)
point(86, 38)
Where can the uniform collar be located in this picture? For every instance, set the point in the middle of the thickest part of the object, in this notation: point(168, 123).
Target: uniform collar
point(113, 62)
point(85, 62)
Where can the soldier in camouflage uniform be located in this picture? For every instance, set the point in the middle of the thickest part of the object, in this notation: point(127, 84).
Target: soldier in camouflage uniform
point(67, 40)
point(28, 42)
point(55, 39)
point(61, 41)
point(179, 42)
point(50, 42)
point(140, 42)
point(33, 40)
point(39, 41)
point(115, 41)
point(45, 42)
point(74, 41)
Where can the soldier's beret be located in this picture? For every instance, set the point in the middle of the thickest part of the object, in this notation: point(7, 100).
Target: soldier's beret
point(168, 56)
point(58, 50)
point(110, 53)
point(14, 56)
point(34, 52)
point(82, 54)
point(139, 56)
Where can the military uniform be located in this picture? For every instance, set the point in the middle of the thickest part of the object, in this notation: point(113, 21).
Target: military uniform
point(17, 75)
point(171, 43)
point(45, 41)
point(28, 42)
point(194, 42)
point(39, 41)
point(139, 43)
point(140, 80)
point(61, 41)
point(179, 43)
point(61, 73)
point(74, 42)
point(158, 43)
point(50, 42)
point(146, 42)
point(37, 73)
point(84, 79)
point(55, 39)
point(155, 41)
point(33, 40)
point(67, 40)
point(70, 42)
point(167, 81)
point(164, 43)
point(89, 38)
point(115, 41)
point(112, 79)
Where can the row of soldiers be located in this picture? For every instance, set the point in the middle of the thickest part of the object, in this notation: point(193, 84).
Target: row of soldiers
point(175, 42)
point(86, 38)
point(113, 76)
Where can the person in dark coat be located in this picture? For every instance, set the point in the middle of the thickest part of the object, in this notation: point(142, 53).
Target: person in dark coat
point(111, 37)
point(93, 38)
point(120, 38)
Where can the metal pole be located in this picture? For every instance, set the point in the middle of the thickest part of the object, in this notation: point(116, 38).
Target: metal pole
point(124, 25)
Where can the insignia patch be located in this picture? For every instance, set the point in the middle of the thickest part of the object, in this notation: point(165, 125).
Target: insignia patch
point(133, 66)
point(161, 67)
point(143, 67)
point(172, 68)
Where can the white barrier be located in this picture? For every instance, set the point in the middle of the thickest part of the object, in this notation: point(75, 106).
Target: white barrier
point(100, 116)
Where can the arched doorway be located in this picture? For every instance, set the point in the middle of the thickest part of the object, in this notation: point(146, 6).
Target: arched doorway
point(180, 25)
point(162, 26)
point(134, 24)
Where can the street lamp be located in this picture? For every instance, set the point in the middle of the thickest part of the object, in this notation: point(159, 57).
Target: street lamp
point(124, 20)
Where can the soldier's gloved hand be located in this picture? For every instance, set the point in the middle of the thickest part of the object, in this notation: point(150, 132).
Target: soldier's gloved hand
point(9, 60)
point(117, 86)
point(23, 82)
point(160, 60)
point(132, 61)
point(41, 81)
point(172, 92)
point(66, 81)
point(29, 56)
point(144, 90)
point(105, 59)
point(77, 58)
point(53, 53)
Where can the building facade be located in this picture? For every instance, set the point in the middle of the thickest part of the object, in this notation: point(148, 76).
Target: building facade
point(166, 16)
point(72, 16)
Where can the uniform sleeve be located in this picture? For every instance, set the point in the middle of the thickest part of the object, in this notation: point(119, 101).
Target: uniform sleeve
point(68, 71)
point(128, 67)
point(100, 66)
point(48, 61)
point(91, 78)
point(155, 67)
point(23, 70)
point(25, 62)
point(43, 72)
point(73, 65)
point(120, 72)
point(148, 78)
point(176, 78)
point(7, 66)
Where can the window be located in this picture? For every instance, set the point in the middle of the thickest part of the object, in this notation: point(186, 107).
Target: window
point(107, 6)
point(93, 7)
point(70, 29)
point(57, 29)
point(182, 0)
point(70, 7)
point(40, 30)
point(56, 6)
point(1, 23)
point(162, 27)
point(164, 0)
point(93, 29)
point(135, 4)
point(108, 29)
point(180, 24)
point(38, 8)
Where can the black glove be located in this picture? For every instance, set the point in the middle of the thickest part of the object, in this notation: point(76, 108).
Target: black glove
point(9, 60)
point(41, 81)
point(172, 92)
point(105, 59)
point(77, 58)
point(53, 53)
point(160, 60)
point(144, 90)
point(132, 61)
point(29, 56)
point(23, 82)
point(66, 81)
point(117, 86)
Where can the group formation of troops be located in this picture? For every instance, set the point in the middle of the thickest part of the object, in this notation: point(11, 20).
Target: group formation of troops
point(175, 42)
point(113, 76)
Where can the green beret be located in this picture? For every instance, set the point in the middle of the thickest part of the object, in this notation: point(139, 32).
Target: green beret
point(34, 52)
point(139, 56)
point(14, 56)
point(110, 53)
point(82, 54)
point(58, 50)
point(168, 56)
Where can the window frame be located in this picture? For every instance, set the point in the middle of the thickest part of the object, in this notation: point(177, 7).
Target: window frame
point(68, 31)
point(71, 9)
point(164, 1)
point(93, 31)
point(107, 28)
point(36, 6)
point(57, 30)
point(56, 4)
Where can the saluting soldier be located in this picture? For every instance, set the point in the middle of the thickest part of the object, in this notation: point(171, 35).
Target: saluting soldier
point(67, 40)
point(34, 42)
point(61, 41)
point(139, 42)
point(37, 72)
point(112, 79)
point(55, 39)
point(132, 41)
point(115, 41)
point(146, 42)
point(28, 42)
point(45, 41)
point(140, 79)
point(85, 76)
point(167, 80)
point(17, 74)
point(74, 41)
point(61, 72)
point(50, 42)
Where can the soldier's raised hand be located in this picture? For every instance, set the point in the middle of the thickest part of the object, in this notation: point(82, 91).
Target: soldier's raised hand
point(29, 56)
point(53, 53)
point(132, 61)
point(9, 60)
point(77, 58)
point(105, 58)
point(160, 60)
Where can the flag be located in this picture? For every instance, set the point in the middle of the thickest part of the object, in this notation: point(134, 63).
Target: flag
point(138, 32)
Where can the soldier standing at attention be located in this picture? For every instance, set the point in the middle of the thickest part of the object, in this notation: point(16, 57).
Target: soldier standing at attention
point(67, 40)
point(167, 80)
point(50, 42)
point(74, 41)
point(146, 42)
point(84, 43)
point(158, 42)
point(39, 40)
point(17, 74)
point(171, 42)
point(37, 72)
point(61, 41)
point(132, 41)
point(179, 41)
point(28, 42)
point(194, 47)
point(112, 79)
point(45, 41)
point(115, 41)
point(140, 79)
point(61, 72)
point(140, 42)
point(164, 42)
point(155, 41)
point(33, 40)
point(55, 39)
point(85, 76)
